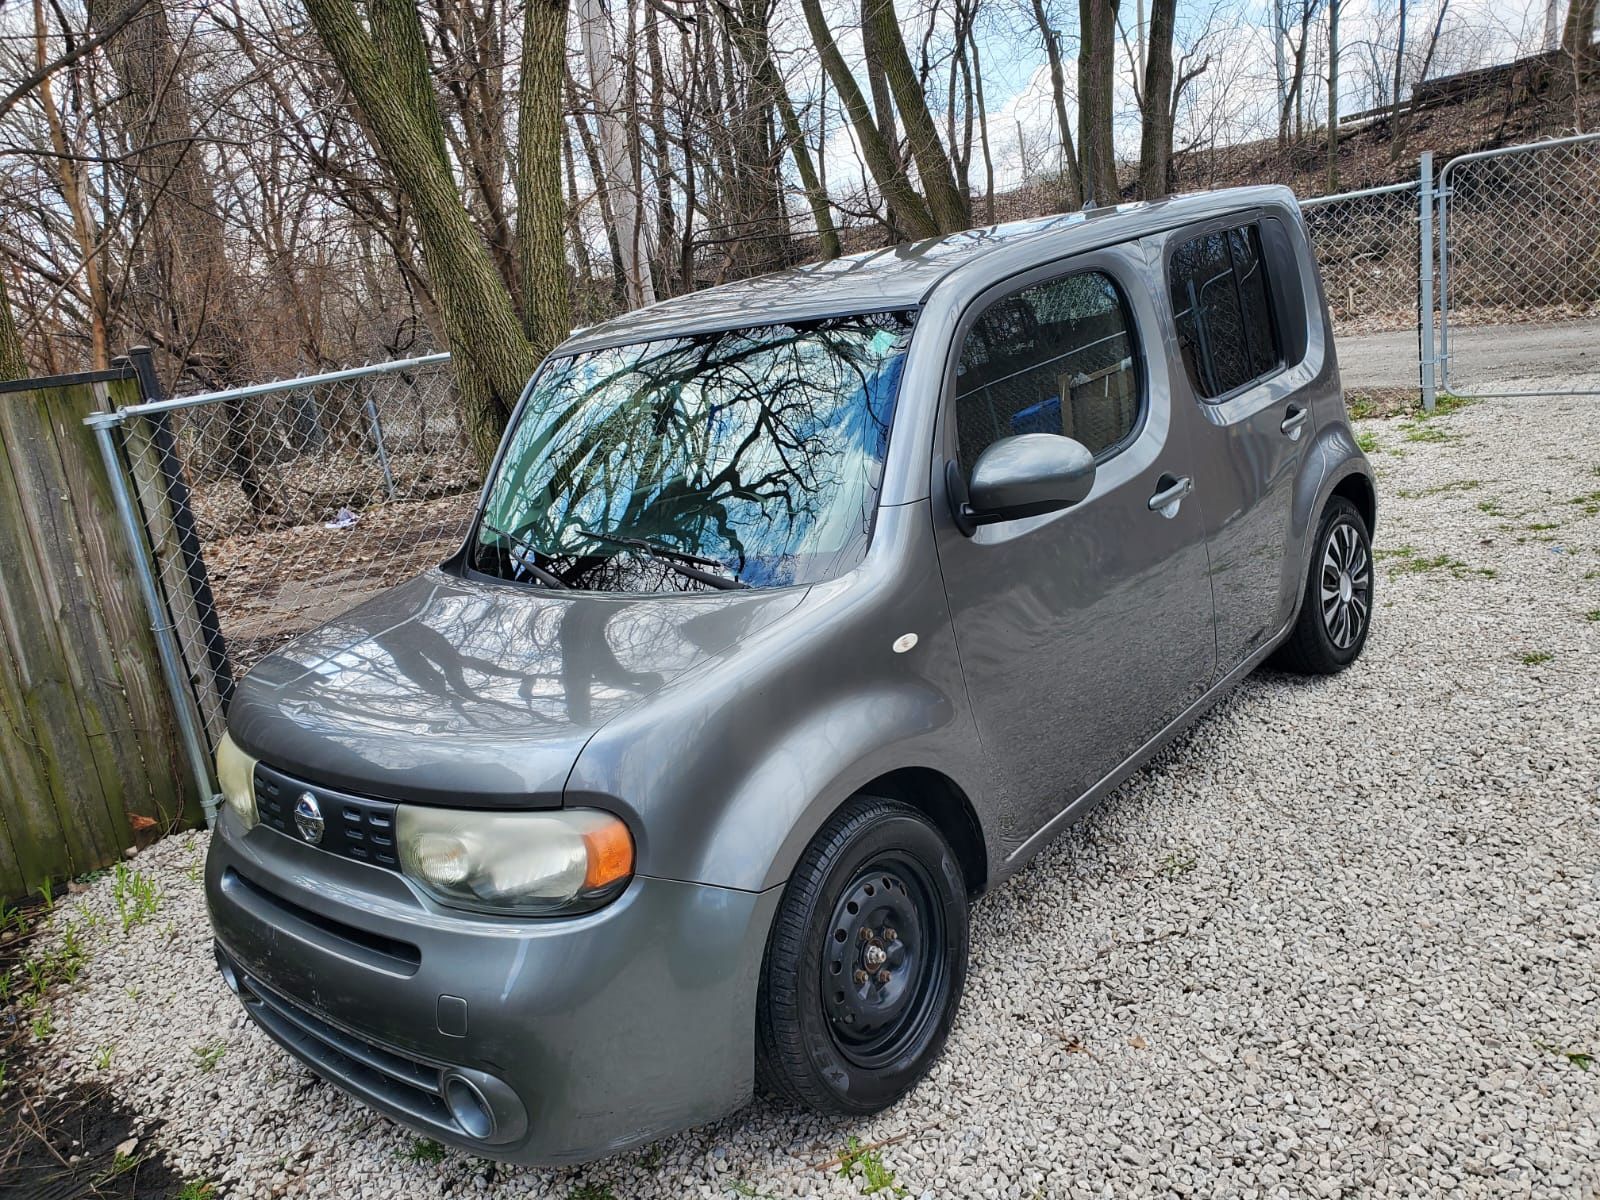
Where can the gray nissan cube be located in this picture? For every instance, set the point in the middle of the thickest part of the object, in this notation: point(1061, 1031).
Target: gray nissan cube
point(794, 615)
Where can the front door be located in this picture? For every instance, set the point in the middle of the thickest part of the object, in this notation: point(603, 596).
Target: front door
point(1082, 632)
point(1232, 316)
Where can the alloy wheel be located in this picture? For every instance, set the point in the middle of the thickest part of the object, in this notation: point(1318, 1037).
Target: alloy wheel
point(1346, 585)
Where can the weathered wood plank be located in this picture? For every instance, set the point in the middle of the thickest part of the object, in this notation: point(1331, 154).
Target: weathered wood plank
point(125, 657)
point(48, 715)
point(88, 735)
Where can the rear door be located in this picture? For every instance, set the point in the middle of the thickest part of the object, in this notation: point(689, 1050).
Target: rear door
point(1234, 313)
point(1081, 632)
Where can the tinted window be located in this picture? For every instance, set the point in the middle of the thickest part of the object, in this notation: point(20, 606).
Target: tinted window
point(1223, 309)
point(1054, 358)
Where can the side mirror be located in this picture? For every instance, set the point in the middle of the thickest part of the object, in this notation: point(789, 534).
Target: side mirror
point(1023, 476)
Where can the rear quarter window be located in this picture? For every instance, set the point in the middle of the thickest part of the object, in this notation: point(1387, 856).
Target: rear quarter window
point(1229, 330)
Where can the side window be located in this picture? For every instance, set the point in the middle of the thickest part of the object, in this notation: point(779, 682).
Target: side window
point(1223, 309)
point(1054, 358)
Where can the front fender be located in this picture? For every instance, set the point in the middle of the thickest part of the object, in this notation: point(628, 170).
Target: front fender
point(728, 772)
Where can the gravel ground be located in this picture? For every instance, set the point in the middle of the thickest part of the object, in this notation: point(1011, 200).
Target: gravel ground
point(1341, 939)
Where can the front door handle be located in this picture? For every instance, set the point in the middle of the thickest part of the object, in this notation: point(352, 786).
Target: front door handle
point(1293, 420)
point(1172, 490)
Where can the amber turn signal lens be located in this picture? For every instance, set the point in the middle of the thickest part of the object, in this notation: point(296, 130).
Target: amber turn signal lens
point(610, 854)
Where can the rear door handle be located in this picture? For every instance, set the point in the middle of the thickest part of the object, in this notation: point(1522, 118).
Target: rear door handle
point(1293, 420)
point(1173, 489)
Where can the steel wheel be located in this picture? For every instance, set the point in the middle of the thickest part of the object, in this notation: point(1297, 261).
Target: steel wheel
point(882, 966)
point(865, 961)
point(1345, 585)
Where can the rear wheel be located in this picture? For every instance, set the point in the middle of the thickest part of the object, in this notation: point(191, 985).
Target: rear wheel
point(1336, 609)
point(865, 963)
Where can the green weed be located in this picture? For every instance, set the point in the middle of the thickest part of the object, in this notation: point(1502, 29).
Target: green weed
point(1406, 561)
point(137, 896)
point(195, 1189)
point(102, 1058)
point(875, 1173)
point(1459, 485)
point(1178, 864)
point(591, 1191)
point(1534, 658)
point(1592, 615)
point(43, 1026)
point(425, 1150)
point(1427, 433)
point(1368, 443)
point(1590, 503)
point(209, 1056)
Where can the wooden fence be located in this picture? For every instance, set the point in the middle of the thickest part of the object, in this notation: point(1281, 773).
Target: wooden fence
point(91, 759)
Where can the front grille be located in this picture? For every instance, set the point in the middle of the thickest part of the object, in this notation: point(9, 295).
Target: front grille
point(353, 827)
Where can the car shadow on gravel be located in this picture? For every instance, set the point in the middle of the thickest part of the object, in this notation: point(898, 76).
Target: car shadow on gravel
point(64, 1140)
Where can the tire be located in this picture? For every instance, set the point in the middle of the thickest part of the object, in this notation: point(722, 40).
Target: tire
point(1336, 605)
point(829, 1035)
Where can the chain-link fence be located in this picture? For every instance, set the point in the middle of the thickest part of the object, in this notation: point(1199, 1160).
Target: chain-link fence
point(1367, 243)
point(1519, 235)
point(268, 510)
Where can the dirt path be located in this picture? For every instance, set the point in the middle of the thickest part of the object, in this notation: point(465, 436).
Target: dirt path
point(1533, 357)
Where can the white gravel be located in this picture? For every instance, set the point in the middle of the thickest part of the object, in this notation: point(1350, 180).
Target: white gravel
point(1339, 940)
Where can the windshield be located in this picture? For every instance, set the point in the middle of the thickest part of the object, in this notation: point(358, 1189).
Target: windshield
point(741, 458)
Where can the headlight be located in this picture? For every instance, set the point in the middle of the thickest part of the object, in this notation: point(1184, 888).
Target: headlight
point(528, 863)
point(236, 775)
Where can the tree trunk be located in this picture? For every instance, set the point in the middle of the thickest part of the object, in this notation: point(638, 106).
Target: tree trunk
point(983, 135)
point(1394, 96)
point(816, 195)
point(386, 70)
point(1334, 7)
point(185, 264)
point(13, 361)
point(541, 208)
point(902, 199)
point(1096, 83)
point(605, 84)
point(1577, 36)
point(1072, 179)
point(1155, 125)
point(945, 201)
point(760, 232)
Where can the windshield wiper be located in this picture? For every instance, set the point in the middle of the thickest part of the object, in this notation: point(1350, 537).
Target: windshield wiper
point(680, 561)
point(548, 578)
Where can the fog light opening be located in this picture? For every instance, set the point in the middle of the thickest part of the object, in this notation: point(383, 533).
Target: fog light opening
point(468, 1107)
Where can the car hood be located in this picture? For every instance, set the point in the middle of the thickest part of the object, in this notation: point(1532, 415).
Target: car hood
point(472, 692)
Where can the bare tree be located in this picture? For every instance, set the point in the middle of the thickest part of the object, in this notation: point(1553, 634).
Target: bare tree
point(1155, 103)
point(1097, 27)
point(13, 358)
point(380, 53)
point(1071, 178)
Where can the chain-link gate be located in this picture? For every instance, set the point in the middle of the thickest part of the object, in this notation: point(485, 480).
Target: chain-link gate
point(264, 511)
point(1519, 247)
point(1367, 243)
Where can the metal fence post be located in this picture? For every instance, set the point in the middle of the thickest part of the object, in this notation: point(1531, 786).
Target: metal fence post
point(194, 742)
point(176, 489)
point(377, 440)
point(1426, 343)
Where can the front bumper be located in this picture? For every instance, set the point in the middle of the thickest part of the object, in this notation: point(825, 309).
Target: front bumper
point(574, 1037)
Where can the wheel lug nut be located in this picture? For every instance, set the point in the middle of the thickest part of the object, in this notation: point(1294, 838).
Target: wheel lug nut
point(861, 977)
point(889, 935)
point(866, 934)
point(883, 976)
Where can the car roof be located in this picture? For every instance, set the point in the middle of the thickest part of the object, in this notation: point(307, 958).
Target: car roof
point(901, 277)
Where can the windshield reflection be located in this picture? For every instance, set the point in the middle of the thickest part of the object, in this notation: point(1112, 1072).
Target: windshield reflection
point(741, 458)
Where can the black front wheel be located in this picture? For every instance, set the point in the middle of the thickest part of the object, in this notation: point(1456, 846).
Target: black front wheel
point(865, 962)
